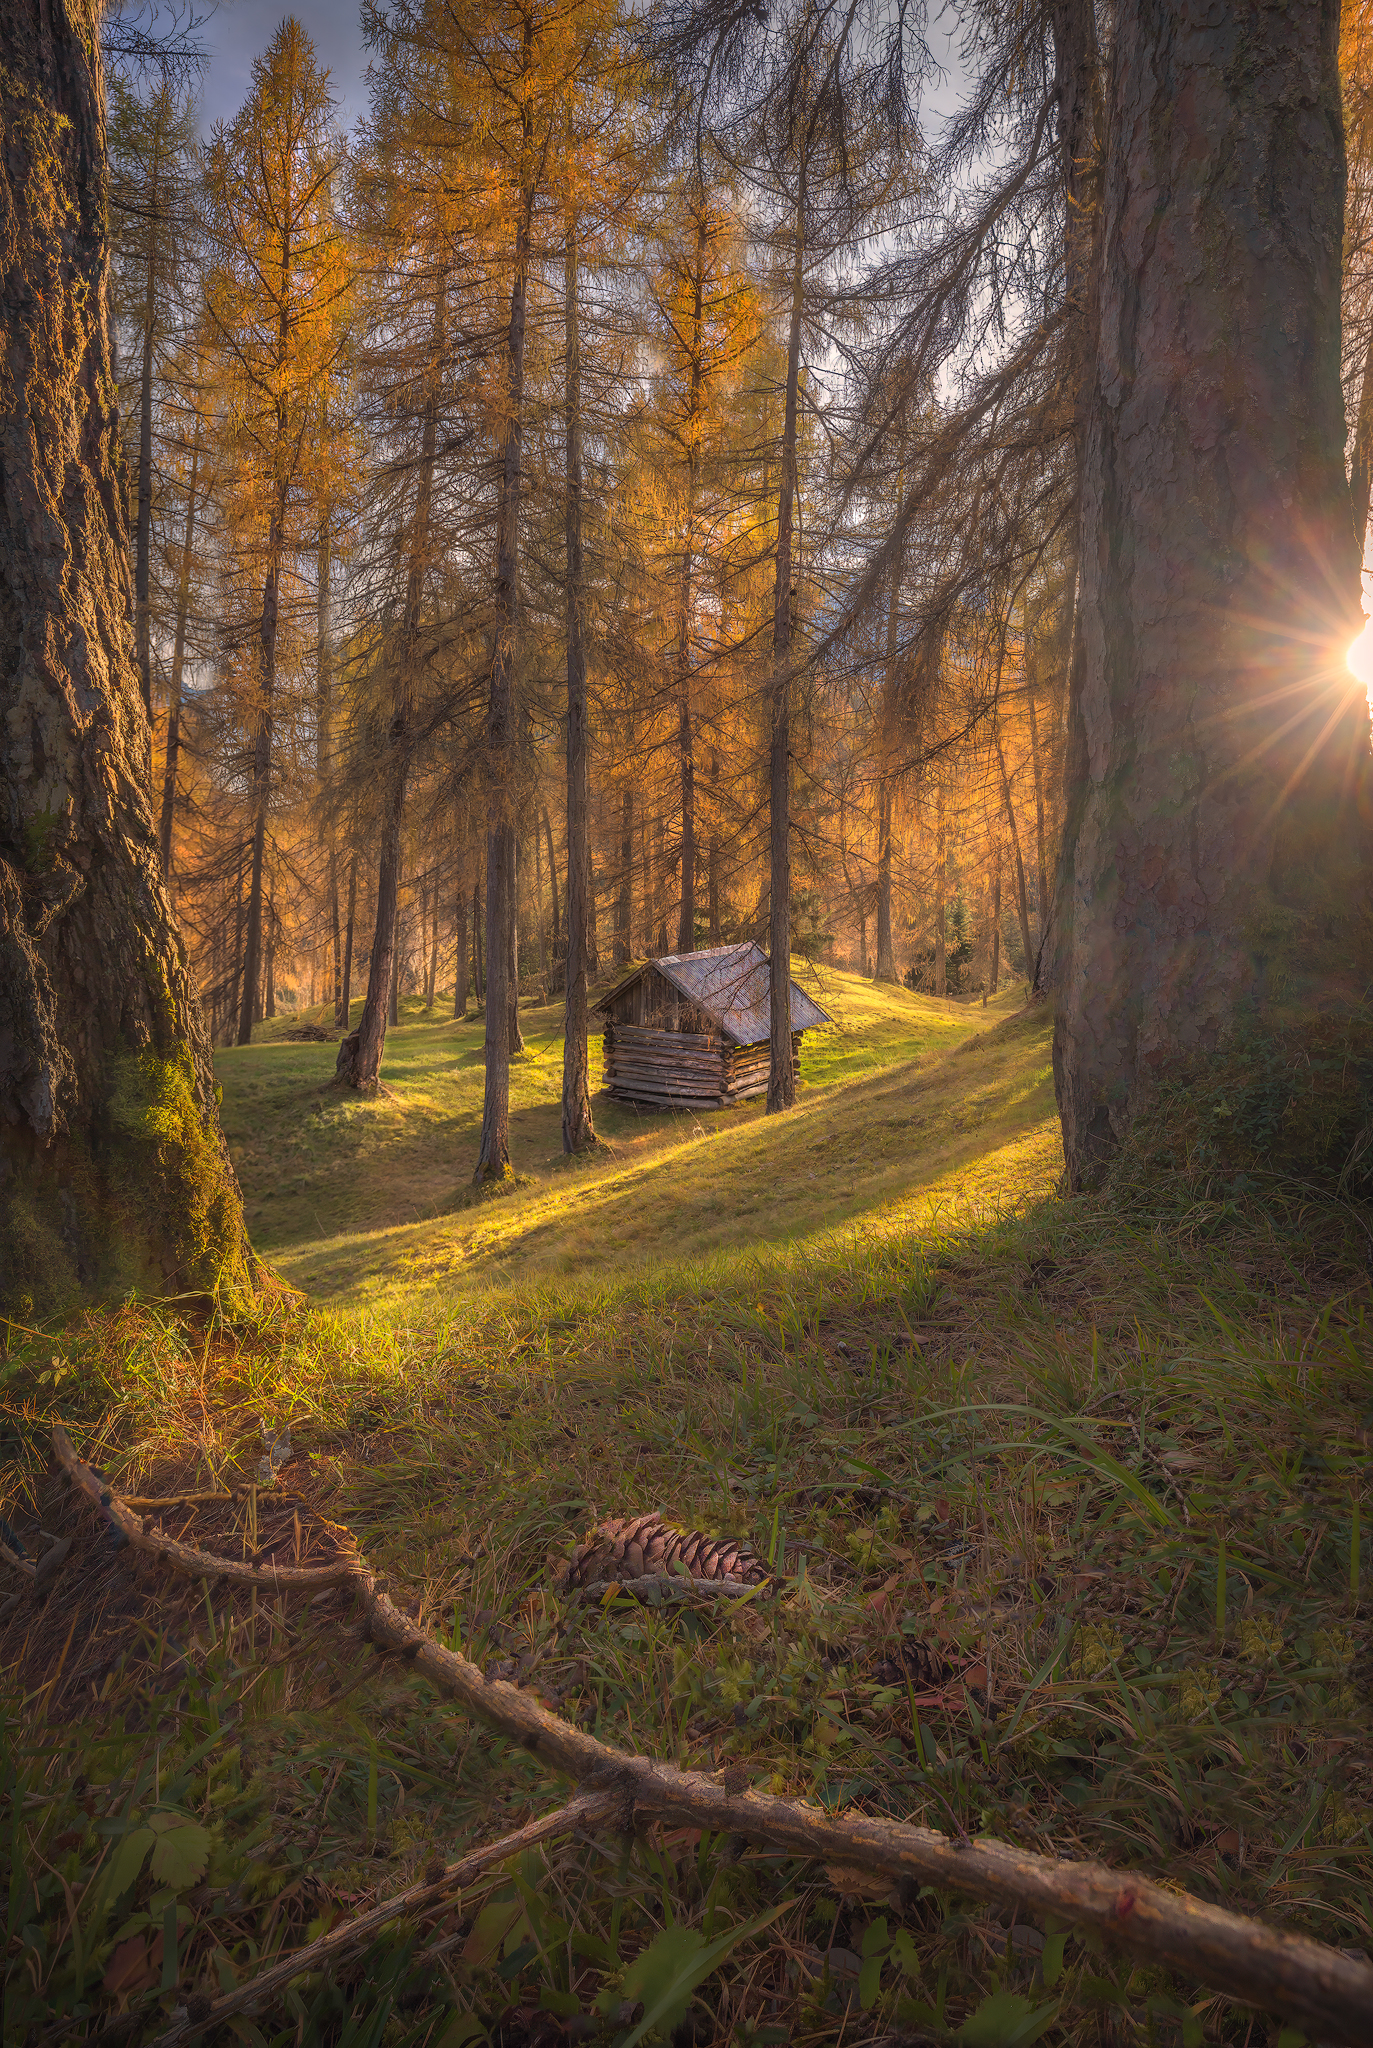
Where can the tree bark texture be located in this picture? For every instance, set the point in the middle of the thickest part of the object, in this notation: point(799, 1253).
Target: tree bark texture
point(624, 899)
point(578, 1130)
point(113, 1171)
point(781, 1074)
point(1213, 928)
point(996, 932)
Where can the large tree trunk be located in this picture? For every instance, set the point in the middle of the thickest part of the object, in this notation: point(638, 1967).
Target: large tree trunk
point(171, 765)
point(781, 1074)
point(113, 1172)
point(579, 1132)
point(1212, 923)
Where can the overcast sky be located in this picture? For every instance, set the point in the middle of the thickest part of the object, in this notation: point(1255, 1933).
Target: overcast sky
point(240, 30)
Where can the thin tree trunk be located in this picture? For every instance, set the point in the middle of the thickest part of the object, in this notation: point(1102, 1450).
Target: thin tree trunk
point(513, 950)
point(478, 978)
point(1361, 468)
point(713, 853)
point(1022, 901)
point(432, 991)
point(143, 544)
point(262, 759)
point(345, 995)
point(460, 941)
point(552, 880)
point(493, 1158)
point(269, 1003)
point(538, 901)
point(996, 929)
point(886, 958)
point(1041, 835)
point(941, 890)
point(578, 1130)
point(183, 605)
point(686, 922)
point(360, 1055)
point(393, 993)
point(781, 1075)
point(624, 902)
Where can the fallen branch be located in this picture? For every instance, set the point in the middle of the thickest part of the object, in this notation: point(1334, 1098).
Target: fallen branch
point(418, 1902)
point(268, 1573)
point(1322, 1989)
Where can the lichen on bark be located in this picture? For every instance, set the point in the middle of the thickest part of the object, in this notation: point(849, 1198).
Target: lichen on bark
point(113, 1170)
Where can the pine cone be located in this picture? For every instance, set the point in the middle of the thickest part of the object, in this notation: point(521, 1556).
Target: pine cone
point(917, 1661)
point(645, 1546)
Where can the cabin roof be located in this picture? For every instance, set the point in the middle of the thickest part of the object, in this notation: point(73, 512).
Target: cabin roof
point(732, 984)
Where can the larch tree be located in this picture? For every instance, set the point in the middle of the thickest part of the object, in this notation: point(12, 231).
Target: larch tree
point(113, 1171)
point(1215, 934)
point(274, 291)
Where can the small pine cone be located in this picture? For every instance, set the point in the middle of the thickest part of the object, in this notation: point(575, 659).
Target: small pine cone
point(643, 1546)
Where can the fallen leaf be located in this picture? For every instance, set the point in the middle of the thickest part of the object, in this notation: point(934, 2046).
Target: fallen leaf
point(133, 1966)
point(852, 1883)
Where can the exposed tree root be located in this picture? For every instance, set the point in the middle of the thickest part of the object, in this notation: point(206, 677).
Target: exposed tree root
point(1325, 1991)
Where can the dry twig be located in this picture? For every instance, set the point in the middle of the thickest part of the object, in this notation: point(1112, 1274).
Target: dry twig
point(420, 1900)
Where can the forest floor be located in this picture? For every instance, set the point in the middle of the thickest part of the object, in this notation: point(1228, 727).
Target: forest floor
point(1102, 1464)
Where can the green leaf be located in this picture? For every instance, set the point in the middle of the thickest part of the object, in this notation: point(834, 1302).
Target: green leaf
point(1006, 2020)
point(1194, 2034)
point(1290, 2037)
point(182, 1851)
point(565, 2003)
point(875, 1938)
point(489, 1930)
point(870, 1981)
point(904, 1953)
point(1053, 1959)
point(127, 1860)
point(665, 1974)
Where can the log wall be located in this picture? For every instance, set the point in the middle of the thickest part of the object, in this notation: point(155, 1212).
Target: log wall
point(690, 1069)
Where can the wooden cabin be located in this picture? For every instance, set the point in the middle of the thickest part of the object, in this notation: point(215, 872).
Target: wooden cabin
point(692, 1030)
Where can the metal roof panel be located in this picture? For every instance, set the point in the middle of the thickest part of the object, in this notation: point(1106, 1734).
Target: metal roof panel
point(732, 984)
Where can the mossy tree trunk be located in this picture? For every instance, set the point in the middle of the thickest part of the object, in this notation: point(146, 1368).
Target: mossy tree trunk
point(113, 1170)
point(1213, 919)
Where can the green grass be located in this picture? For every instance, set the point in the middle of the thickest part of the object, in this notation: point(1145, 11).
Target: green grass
point(1117, 1461)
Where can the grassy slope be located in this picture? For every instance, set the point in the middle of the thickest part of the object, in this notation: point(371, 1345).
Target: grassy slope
point(368, 1200)
point(1112, 1461)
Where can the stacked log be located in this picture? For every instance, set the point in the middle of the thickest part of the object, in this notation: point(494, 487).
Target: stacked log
point(693, 1069)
